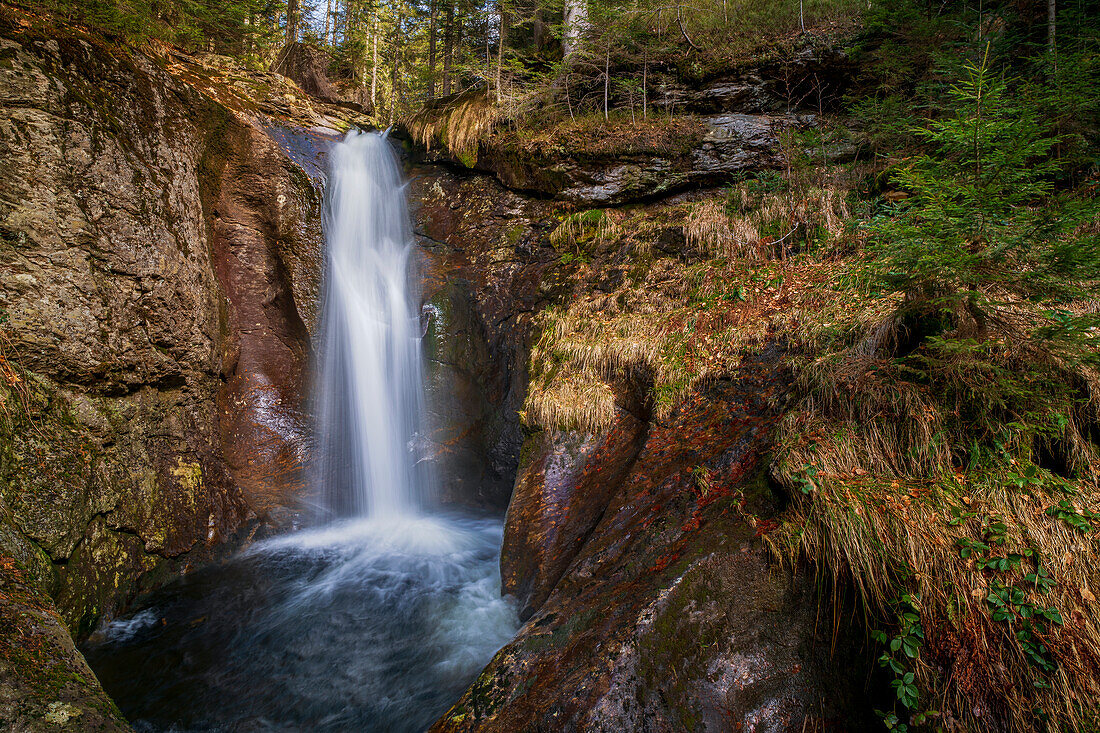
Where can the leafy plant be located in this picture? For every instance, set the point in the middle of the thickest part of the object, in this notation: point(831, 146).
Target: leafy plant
point(1080, 519)
point(902, 650)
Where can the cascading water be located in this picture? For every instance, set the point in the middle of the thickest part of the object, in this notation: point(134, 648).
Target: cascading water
point(370, 395)
point(377, 620)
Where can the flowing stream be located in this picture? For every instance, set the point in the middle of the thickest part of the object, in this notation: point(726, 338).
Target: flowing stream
point(377, 619)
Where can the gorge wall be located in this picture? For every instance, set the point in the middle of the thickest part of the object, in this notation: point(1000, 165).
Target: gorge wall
point(159, 260)
point(634, 553)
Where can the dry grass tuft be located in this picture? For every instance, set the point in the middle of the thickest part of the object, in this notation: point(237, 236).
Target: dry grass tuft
point(673, 322)
point(458, 123)
point(659, 336)
point(570, 399)
point(594, 226)
point(905, 536)
point(710, 229)
point(896, 472)
point(755, 223)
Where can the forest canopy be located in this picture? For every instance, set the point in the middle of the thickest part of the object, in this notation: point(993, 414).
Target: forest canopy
point(575, 57)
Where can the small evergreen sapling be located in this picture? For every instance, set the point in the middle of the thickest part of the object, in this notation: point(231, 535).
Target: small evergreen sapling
point(983, 232)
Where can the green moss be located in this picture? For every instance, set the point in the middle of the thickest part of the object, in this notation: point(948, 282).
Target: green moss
point(679, 644)
point(515, 234)
point(533, 445)
point(467, 158)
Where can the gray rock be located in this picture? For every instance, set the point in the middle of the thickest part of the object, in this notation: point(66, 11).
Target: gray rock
point(159, 264)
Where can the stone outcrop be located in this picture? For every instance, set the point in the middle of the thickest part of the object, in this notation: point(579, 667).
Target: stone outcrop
point(652, 605)
point(810, 78)
point(311, 68)
point(635, 556)
point(731, 124)
point(725, 145)
point(159, 272)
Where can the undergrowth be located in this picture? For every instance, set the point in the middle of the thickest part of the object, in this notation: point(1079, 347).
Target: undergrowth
point(658, 309)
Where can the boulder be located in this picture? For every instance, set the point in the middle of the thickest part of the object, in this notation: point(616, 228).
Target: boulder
point(666, 613)
point(311, 69)
point(45, 684)
point(723, 126)
point(812, 78)
point(721, 147)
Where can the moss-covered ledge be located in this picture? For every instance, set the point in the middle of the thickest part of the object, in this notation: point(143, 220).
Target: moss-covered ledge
point(45, 684)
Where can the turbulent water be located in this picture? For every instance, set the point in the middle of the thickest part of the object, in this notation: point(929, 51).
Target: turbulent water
point(377, 620)
point(359, 626)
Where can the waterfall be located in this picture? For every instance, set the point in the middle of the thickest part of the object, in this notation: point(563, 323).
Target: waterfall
point(369, 394)
point(375, 621)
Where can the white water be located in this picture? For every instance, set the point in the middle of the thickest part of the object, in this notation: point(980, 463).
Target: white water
point(361, 625)
point(369, 394)
point(377, 620)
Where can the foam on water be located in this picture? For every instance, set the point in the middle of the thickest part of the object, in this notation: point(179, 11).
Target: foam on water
point(362, 626)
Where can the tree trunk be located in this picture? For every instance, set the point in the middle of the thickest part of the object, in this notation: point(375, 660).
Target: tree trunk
point(328, 18)
point(500, 42)
point(1052, 26)
point(448, 46)
point(538, 29)
point(606, 76)
point(292, 16)
point(395, 76)
point(576, 23)
point(374, 69)
point(431, 47)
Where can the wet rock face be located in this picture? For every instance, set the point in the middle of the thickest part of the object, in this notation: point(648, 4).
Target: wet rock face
point(561, 491)
point(467, 424)
point(667, 614)
point(267, 254)
point(159, 254)
point(485, 258)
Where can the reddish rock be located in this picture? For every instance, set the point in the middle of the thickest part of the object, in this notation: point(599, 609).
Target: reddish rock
point(264, 205)
point(561, 492)
point(670, 616)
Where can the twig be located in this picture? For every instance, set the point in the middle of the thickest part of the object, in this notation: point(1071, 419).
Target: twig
point(680, 22)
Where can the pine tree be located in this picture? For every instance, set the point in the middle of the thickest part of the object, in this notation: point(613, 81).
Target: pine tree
point(983, 231)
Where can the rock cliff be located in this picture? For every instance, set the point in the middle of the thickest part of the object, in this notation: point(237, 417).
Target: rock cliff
point(159, 261)
point(634, 553)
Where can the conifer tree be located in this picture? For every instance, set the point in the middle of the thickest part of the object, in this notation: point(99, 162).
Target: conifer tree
point(983, 229)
